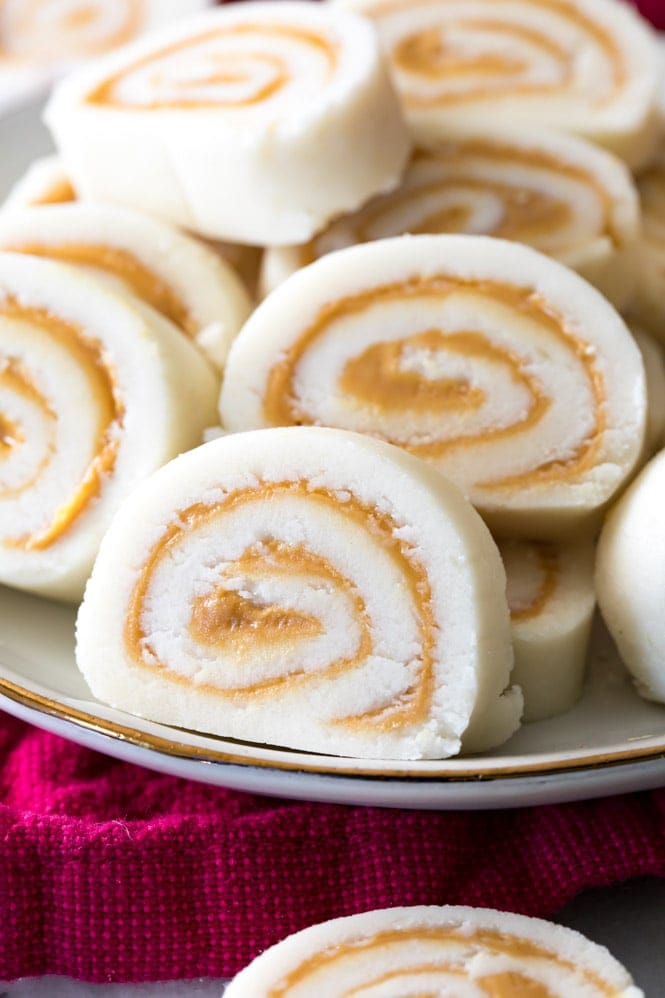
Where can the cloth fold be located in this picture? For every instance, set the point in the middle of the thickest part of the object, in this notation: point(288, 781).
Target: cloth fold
point(109, 872)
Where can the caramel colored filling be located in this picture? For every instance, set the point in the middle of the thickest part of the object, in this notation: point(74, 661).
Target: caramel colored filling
point(77, 23)
point(224, 68)
point(548, 563)
point(428, 55)
point(142, 281)
point(215, 623)
point(61, 192)
point(362, 376)
point(16, 379)
point(89, 354)
point(528, 215)
point(505, 985)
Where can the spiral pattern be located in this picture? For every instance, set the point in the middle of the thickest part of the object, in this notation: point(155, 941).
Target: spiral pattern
point(177, 277)
point(500, 384)
point(586, 66)
point(31, 424)
point(232, 67)
point(40, 30)
point(308, 612)
point(560, 195)
point(427, 952)
point(551, 597)
point(79, 371)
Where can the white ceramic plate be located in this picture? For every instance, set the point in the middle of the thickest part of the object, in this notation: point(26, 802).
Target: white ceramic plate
point(612, 742)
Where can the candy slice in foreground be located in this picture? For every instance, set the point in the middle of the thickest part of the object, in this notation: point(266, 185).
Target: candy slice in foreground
point(592, 67)
point(551, 599)
point(555, 192)
point(174, 274)
point(308, 588)
point(503, 369)
point(446, 952)
point(95, 394)
point(630, 578)
point(239, 125)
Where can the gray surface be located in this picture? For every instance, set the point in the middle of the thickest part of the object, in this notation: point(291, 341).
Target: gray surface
point(629, 920)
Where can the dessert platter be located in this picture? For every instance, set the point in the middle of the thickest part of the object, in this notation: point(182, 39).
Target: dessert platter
point(384, 553)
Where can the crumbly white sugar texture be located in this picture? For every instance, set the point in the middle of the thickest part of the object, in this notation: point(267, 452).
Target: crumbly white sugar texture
point(96, 392)
point(238, 125)
point(503, 369)
point(211, 301)
point(591, 67)
point(442, 951)
point(558, 193)
point(630, 576)
point(551, 598)
point(354, 603)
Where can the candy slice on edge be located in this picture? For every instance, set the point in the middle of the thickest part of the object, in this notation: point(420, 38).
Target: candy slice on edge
point(430, 951)
point(239, 126)
point(592, 67)
point(184, 281)
point(551, 598)
point(503, 369)
point(95, 394)
point(654, 368)
point(630, 578)
point(555, 192)
point(46, 182)
point(649, 304)
point(43, 38)
point(308, 588)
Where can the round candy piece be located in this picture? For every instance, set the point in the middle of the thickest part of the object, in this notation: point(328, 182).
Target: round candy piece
point(308, 588)
point(171, 272)
point(256, 122)
point(592, 67)
point(558, 193)
point(438, 953)
point(503, 369)
point(95, 393)
point(551, 598)
point(630, 578)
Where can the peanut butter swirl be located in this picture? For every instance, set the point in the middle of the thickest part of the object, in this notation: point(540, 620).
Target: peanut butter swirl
point(235, 622)
point(388, 944)
point(549, 569)
point(139, 278)
point(488, 53)
point(36, 29)
point(445, 190)
point(376, 379)
point(241, 65)
point(90, 357)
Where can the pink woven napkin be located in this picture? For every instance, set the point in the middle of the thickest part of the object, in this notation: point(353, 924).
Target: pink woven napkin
point(109, 872)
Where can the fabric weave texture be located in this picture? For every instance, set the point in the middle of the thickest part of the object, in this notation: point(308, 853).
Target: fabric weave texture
point(109, 872)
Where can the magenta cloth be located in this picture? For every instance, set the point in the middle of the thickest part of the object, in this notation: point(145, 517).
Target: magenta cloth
point(109, 872)
point(654, 10)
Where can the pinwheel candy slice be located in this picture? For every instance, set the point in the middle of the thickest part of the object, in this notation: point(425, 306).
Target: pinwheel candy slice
point(503, 369)
point(41, 38)
point(551, 599)
point(184, 281)
point(558, 193)
point(95, 394)
point(438, 952)
point(257, 123)
point(46, 182)
point(592, 67)
point(630, 578)
point(308, 588)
